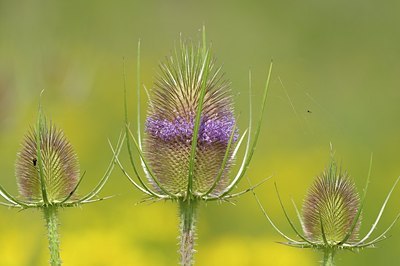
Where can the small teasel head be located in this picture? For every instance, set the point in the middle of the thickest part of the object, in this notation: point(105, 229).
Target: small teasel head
point(331, 216)
point(58, 163)
point(330, 207)
point(171, 119)
point(47, 170)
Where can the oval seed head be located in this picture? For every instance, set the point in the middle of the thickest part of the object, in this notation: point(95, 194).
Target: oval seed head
point(331, 204)
point(171, 118)
point(59, 164)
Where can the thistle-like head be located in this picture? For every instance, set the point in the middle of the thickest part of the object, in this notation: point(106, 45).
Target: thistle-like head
point(191, 139)
point(331, 216)
point(330, 207)
point(56, 161)
point(171, 120)
point(47, 170)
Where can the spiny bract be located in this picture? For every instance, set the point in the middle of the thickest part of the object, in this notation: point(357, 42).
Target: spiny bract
point(171, 119)
point(331, 205)
point(59, 164)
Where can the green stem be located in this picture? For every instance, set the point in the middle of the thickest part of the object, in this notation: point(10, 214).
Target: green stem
point(329, 254)
point(51, 216)
point(187, 210)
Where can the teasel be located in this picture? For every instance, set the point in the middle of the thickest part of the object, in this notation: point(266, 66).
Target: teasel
point(331, 215)
point(191, 137)
point(48, 176)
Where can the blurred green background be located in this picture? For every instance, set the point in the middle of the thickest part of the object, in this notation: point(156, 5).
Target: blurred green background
point(340, 60)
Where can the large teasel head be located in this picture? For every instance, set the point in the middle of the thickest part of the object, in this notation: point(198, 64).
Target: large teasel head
point(191, 138)
point(47, 170)
point(191, 135)
point(176, 97)
point(331, 215)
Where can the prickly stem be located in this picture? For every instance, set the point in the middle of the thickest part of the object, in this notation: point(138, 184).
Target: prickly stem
point(329, 254)
point(51, 217)
point(188, 217)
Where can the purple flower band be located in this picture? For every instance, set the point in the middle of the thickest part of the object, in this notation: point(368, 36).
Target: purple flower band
point(211, 130)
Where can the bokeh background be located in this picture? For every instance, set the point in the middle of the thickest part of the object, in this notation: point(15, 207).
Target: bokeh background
point(335, 80)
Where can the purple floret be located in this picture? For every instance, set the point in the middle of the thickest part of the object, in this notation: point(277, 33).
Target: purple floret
point(211, 130)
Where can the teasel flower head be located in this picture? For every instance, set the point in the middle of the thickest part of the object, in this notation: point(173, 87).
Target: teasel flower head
point(331, 206)
point(171, 121)
point(191, 136)
point(60, 165)
point(331, 215)
point(47, 170)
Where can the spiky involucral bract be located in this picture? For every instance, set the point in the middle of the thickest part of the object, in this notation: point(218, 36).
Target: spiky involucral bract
point(170, 123)
point(331, 205)
point(59, 163)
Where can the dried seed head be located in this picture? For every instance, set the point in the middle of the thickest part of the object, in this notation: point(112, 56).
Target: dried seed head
point(170, 122)
point(59, 163)
point(331, 204)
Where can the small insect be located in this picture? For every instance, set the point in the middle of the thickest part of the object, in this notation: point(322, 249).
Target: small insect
point(34, 160)
point(308, 111)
